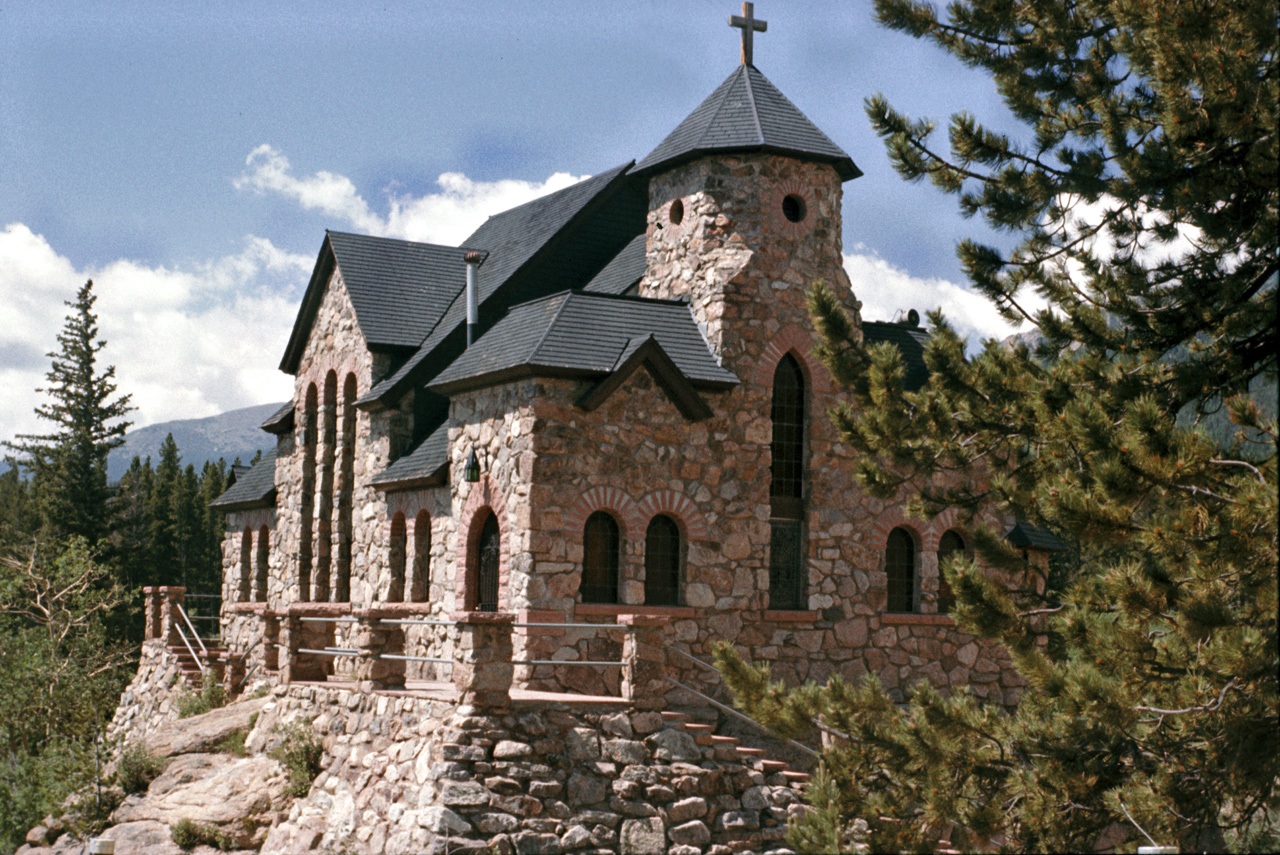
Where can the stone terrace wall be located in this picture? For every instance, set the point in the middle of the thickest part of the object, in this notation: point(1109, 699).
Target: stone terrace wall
point(405, 774)
point(150, 699)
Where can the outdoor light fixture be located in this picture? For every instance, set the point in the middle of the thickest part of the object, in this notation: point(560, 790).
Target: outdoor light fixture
point(472, 472)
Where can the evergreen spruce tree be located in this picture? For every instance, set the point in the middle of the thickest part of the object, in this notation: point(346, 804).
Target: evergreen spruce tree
point(69, 465)
point(1145, 200)
point(166, 489)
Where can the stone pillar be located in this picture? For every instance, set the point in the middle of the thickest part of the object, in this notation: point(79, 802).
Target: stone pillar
point(482, 666)
point(152, 601)
point(233, 671)
point(374, 638)
point(172, 598)
point(291, 638)
point(644, 661)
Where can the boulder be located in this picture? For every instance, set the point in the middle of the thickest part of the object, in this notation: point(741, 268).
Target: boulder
point(201, 733)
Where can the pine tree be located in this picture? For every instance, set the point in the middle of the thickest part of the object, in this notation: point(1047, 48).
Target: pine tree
point(1145, 200)
point(166, 489)
point(69, 465)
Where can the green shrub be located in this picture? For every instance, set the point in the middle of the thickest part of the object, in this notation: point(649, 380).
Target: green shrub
point(299, 753)
point(188, 835)
point(136, 769)
point(210, 697)
point(233, 743)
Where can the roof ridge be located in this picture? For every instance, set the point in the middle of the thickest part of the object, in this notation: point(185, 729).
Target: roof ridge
point(751, 99)
point(568, 295)
point(634, 298)
point(720, 106)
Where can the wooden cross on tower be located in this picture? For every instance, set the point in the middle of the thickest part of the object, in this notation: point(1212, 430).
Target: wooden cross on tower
point(749, 26)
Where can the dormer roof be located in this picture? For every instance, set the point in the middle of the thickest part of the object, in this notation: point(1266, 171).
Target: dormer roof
point(747, 113)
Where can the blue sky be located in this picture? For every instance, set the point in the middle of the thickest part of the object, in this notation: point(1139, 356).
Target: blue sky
point(188, 156)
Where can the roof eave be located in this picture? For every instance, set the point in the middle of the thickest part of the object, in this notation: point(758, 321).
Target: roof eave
point(325, 263)
point(845, 168)
point(438, 478)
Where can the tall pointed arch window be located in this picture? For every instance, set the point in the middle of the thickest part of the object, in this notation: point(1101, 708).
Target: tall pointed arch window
point(308, 491)
point(488, 565)
point(395, 591)
point(324, 495)
point(601, 545)
point(263, 565)
point(421, 581)
point(662, 560)
point(346, 489)
point(951, 543)
point(786, 487)
point(900, 569)
point(246, 551)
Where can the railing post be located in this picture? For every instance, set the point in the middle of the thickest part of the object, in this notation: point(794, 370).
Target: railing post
point(644, 665)
point(152, 598)
point(482, 666)
point(372, 639)
point(173, 598)
point(291, 638)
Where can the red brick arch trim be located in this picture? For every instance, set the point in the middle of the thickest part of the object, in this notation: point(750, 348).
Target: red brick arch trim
point(676, 505)
point(485, 496)
point(611, 499)
point(799, 342)
point(892, 518)
point(948, 519)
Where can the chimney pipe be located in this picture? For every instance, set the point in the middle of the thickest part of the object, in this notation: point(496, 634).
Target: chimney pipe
point(473, 260)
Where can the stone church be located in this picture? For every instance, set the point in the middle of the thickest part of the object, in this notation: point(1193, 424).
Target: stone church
point(603, 403)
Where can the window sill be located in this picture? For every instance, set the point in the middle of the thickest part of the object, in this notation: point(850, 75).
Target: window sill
point(790, 615)
point(620, 609)
point(911, 619)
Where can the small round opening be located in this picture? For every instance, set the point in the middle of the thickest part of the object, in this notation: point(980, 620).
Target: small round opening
point(676, 213)
point(794, 208)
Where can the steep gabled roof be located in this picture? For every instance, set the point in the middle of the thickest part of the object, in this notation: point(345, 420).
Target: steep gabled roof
point(624, 272)
point(747, 113)
point(557, 241)
point(399, 289)
point(281, 421)
point(1027, 536)
point(910, 341)
point(423, 466)
point(253, 489)
point(575, 334)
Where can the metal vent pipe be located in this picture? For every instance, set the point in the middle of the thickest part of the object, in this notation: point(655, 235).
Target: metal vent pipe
point(473, 260)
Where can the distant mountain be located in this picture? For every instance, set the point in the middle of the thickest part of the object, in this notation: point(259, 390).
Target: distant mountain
point(230, 435)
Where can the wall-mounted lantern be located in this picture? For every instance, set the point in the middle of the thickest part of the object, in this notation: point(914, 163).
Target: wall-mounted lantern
point(472, 472)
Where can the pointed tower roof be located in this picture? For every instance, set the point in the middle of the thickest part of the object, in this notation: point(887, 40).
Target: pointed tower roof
point(747, 113)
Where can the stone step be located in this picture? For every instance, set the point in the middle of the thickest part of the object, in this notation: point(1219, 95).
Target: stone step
point(718, 740)
point(699, 730)
point(796, 777)
point(748, 751)
point(770, 766)
point(673, 717)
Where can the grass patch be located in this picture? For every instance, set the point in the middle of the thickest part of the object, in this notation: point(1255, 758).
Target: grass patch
point(136, 768)
point(210, 697)
point(299, 753)
point(188, 835)
point(233, 743)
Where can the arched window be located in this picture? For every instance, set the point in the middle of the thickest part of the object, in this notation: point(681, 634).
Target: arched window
point(395, 592)
point(786, 489)
point(263, 560)
point(601, 544)
point(662, 562)
point(246, 553)
point(324, 515)
point(900, 567)
point(421, 582)
point(346, 489)
point(308, 491)
point(950, 544)
point(488, 564)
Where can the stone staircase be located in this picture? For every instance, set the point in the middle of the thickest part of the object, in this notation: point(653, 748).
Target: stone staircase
point(776, 772)
point(189, 667)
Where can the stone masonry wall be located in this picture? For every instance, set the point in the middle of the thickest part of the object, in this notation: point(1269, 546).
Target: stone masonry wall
point(150, 699)
point(405, 774)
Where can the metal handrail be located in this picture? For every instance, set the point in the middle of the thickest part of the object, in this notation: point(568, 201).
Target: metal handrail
point(191, 627)
point(742, 716)
point(251, 669)
point(565, 662)
point(199, 660)
point(328, 619)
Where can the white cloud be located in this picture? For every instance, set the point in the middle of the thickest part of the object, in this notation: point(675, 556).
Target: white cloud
point(445, 217)
point(186, 343)
point(885, 290)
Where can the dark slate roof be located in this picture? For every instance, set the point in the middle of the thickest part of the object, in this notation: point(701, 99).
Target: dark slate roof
point(522, 240)
point(578, 334)
point(747, 113)
point(399, 289)
point(253, 489)
point(419, 466)
point(624, 272)
point(1027, 536)
point(281, 421)
point(910, 341)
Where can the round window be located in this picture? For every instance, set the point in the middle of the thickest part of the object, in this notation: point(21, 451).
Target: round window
point(794, 208)
point(676, 212)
